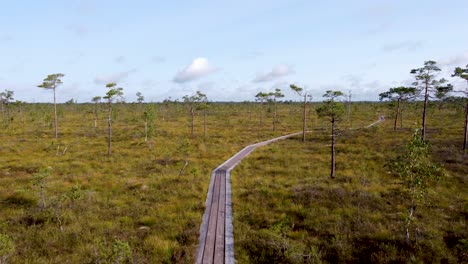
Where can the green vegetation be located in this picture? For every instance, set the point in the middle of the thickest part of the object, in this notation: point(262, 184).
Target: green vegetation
point(288, 210)
point(463, 74)
point(398, 95)
point(416, 172)
point(53, 81)
point(332, 111)
point(65, 199)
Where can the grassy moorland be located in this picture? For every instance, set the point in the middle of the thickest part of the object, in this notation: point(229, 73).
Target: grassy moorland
point(288, 210)
point(66, 201)
point(92, 208)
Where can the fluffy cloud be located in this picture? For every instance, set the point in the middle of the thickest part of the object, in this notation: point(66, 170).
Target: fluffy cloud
point(116, 77)
point(277, 72)
point(198, 68)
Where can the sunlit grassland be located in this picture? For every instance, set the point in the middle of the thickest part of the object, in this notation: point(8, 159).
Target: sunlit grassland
point(288, 210)
point(284, 200)
point(136, 196)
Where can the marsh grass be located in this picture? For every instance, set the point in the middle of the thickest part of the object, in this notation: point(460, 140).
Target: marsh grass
point(133, 206)
point(100, 208)
point(288, 210)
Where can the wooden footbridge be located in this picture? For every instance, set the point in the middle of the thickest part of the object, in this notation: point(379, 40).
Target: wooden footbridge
point(216, 243)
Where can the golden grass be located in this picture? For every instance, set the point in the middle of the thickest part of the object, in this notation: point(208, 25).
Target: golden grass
point(283, 197)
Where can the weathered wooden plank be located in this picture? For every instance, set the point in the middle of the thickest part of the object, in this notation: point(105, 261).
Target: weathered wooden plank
point(208, 253)
point(206, 218)
point(220, 225)
point(228, 233)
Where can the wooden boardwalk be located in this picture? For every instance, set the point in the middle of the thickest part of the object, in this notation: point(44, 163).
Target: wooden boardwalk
point(216, 243)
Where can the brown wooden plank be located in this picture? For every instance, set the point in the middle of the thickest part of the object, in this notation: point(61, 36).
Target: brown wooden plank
point(208, 253)
point(219, 245)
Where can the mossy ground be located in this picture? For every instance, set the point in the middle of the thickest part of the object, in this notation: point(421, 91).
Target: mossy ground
point(286, 209)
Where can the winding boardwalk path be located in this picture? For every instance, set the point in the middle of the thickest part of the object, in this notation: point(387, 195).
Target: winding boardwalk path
point(216, 242)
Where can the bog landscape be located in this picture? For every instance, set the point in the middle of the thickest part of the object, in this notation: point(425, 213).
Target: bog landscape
point(117, 182)
point(233, 132)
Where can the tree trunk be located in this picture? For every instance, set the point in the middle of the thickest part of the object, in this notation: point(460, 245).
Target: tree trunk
point(466, 129)
point(332, 172)
point(426, 99)
point(304, 118)
point(109, 130)
point(193, 117)
point(396, 115)
point(409, 221)
point(55, 115)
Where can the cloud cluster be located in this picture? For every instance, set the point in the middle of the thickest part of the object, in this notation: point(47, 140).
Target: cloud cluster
point(198, 68)
point(277, 72)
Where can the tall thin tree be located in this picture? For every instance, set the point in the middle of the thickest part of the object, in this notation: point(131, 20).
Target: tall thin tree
point(463, 74)
point(6, 98)
point(261, 97)
point(416, 172)
point(53, 81)
point(333, 111)
point(398, 95)
point(275, 95)
point(140, 97)
point(111, 95)
point(301, 92)
point(428, 86)
point(194, 103)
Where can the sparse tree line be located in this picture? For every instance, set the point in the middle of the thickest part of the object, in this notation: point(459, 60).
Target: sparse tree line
point(425, 88)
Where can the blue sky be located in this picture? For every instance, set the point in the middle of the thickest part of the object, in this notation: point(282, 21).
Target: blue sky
point(229, 50)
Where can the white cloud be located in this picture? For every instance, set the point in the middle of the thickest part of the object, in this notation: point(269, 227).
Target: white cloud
point(277, 72)
point(460, 60)
point(116, 77)
point(198, 68)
